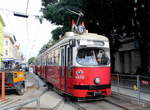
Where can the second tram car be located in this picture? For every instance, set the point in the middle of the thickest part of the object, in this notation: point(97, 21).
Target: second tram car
point(78, 65)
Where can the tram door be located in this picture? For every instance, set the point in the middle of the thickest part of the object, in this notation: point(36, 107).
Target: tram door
point(63, 68)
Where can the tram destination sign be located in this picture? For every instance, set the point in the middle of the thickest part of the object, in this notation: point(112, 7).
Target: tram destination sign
point(91, 42)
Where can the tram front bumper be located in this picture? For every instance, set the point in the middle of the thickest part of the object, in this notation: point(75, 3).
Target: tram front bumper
point(95, 93)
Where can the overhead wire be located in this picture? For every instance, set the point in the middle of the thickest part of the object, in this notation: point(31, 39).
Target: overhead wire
point(11, 12)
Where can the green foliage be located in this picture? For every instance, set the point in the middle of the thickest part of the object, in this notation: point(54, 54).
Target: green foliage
point(113, 18)
point(119, 20)
point(58, 14)
point(43, 49)
point(96, 19)
point(56, 33)
point(46, 2)
point(30, 61)
point(59, 32)
point(46, 46)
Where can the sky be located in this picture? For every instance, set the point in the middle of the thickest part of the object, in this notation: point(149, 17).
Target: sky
point(30, 34)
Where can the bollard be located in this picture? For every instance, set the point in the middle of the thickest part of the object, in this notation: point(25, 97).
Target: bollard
point(3, 86)
point(138, 86)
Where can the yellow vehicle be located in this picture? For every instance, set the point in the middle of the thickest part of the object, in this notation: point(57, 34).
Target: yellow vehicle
point(15, 80)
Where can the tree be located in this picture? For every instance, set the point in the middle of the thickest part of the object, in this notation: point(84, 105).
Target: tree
point(117, 19)
point(46, 46)
point(31, 60)
point(59, 32)
point(58, 14)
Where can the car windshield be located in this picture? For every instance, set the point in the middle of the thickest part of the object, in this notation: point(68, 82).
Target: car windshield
point(92, 57)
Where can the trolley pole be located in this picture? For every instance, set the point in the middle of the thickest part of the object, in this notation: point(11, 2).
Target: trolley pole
point(3, 87)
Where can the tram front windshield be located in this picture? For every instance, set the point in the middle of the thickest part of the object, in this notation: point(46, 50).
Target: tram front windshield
point(92, 57)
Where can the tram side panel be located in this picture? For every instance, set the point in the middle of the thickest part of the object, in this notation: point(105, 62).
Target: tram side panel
point(46, 70)
point(69, 80)
point(43, 71)
point(53, 75)
point(40, 71)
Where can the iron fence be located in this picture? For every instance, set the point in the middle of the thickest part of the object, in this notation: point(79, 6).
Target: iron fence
point(133, 85)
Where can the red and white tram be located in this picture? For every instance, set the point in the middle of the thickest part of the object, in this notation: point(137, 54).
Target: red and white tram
point(78, 65)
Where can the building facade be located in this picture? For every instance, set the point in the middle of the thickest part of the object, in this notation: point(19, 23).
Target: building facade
point(127, 59)
point(131, 58)
point(132, 55)
point(12, 52)
point(1, 39)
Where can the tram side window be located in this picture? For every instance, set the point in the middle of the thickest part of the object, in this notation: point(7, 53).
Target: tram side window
point(40, 63)
point(50, 60)
point(53, 57)
point(62, 57)
point(54, 60)
point(57, 55)
point(69, 56)
point(37, 62)
point(46, 59)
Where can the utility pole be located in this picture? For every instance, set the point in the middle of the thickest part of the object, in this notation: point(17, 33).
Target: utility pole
point(3, 86)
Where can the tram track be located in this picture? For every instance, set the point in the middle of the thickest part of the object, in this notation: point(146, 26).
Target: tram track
point(110, 102)
point(94, 105)
point(74, 104)
point(101, 105)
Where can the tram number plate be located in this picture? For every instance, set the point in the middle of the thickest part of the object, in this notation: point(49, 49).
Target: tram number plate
point(79, 77)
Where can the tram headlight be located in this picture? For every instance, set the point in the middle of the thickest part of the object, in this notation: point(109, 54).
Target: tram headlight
point(97, 81)
point(79, 72)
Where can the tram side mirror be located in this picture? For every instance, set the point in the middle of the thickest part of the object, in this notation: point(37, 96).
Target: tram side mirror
point(72, 43)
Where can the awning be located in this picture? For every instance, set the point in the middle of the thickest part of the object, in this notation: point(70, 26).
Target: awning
point(11, 60)
point(8, 59)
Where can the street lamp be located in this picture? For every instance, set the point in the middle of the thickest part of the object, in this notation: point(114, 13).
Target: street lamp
point(21, 15)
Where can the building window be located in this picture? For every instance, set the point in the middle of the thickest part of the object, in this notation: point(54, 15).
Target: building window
point(6, 43)
point(6, 52)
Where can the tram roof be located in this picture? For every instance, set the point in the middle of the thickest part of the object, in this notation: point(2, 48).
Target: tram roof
point(91, 36)
point(71, 35)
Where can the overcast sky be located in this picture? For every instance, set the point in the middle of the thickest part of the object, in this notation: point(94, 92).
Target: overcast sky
point(30, 40)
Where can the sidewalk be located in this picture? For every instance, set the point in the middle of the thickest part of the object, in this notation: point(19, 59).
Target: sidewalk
point(48, 100)
point(131, 93)
point(33, 88)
